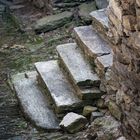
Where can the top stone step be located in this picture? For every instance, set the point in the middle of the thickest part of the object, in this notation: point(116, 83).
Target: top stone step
point(100, 20)
point(59, 89)
point(90, 42)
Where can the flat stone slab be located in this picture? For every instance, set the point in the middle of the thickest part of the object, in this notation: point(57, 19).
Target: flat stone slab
point(60, 90)
point(73, 122)
point(100, 18)
point(33, 102)
point(77, 66)
point(52, 22)
point(90, 42)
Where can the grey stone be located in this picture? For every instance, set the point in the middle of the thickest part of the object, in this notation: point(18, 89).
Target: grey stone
point(121, 138)
point(92, 44)
point(34, 103)
point(73, 122)
point(85, 9)
point(78, 68)
point(106, 128)
point(58, 87)
point(88, 110)
point(52, 22)
point(101, 3)
point(100, 20)
point(115, 110)
point(95, 115)
point(103, 63)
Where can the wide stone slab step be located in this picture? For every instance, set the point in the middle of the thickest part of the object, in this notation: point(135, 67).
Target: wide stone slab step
point(90, 42)
point(58, 87)
point(79, 71)
point(33, 102)
point(100, 20)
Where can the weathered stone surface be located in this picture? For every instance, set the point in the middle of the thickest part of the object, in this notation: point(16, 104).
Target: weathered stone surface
point(102, 128)
point(101, 103)
point(117, 9)
point(58, 87)
point(52, 22)
point(33, 102)
point(106, 128)
point(115, 111)
point(100, 20)
point(85, 9)
point(92, 44)
point(103, 63)
point(73, 122)
point(88, 110)
point(95, 115)
point(76, 65)
point(101, 3)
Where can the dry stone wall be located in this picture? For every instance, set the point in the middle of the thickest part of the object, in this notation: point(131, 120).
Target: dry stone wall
point(123, 86)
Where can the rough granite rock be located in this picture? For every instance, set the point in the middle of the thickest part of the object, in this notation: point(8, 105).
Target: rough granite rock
point(73, 122)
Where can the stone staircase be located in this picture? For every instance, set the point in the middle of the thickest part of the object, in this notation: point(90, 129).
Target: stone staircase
point(69, 83)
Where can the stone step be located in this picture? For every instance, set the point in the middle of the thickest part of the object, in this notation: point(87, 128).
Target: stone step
point(33, 102)
point(58, 87)
point(79, 70)
point(90, 42)
point(100, 21)
point(103, 63)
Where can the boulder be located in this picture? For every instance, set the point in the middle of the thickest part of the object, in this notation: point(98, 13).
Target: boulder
point(101, 3)
point(73, 122)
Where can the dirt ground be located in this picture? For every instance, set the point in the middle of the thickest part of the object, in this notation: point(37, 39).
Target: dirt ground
point(19, 49)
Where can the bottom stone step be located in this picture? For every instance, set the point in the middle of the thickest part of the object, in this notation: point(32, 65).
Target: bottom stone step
point(33, 101)
point(58, 87)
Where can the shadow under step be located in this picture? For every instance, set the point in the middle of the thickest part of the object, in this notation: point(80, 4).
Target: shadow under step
point(91, 43)
point(100, 21)
point(57, 86)
point(78, 70)
point(33, 102)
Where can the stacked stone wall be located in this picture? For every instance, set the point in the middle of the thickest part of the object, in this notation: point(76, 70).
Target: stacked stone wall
point(124, 86)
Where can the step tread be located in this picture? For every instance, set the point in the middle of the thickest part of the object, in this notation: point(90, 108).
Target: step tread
point(77, 65)
point(91, 42)
point(100, 16)
point(59, 88)
point(33, 101)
